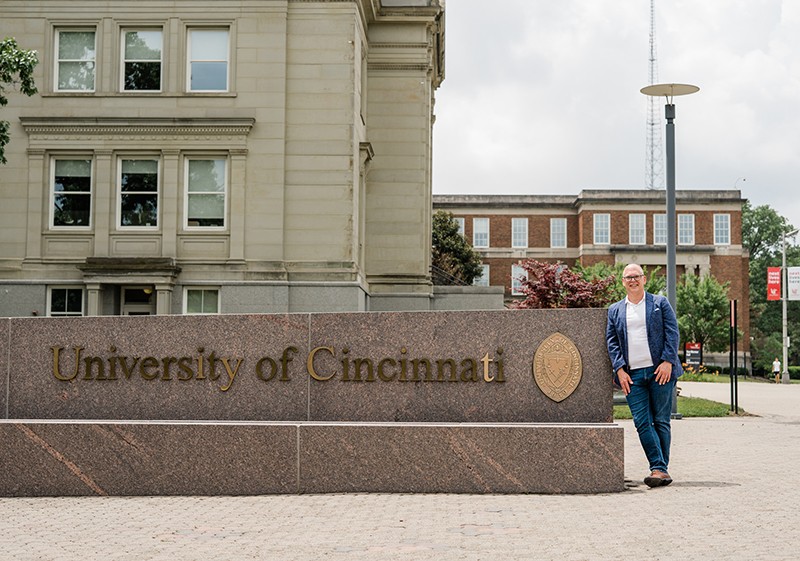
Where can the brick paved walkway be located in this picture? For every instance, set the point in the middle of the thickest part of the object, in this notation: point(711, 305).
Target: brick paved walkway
point(735, 497)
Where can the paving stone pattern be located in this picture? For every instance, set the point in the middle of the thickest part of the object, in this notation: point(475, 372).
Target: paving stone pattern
point(735, 496)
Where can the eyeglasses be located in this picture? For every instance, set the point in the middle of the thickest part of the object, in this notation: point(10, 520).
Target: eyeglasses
point(631, 278)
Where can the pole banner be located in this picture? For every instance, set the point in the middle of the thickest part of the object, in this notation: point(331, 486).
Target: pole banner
point(773, 283)
point(793, 283)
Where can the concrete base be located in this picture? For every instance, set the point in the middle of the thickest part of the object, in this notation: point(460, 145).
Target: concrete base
point(60, 458)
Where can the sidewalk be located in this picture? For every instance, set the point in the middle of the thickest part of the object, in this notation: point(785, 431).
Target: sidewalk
point(734, 497)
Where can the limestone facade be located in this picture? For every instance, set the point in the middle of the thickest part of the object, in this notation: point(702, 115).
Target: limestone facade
point(198, 156)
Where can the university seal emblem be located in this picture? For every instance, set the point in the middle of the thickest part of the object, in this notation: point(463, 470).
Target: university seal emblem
point(557, 367)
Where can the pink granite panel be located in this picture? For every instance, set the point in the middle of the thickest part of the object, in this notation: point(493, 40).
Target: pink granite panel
point(150, 367)
point(96, 459)
point(507, 337)
point(430, 458)
point(4, 327)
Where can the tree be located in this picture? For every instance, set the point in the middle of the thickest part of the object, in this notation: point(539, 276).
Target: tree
point(656, 283)
point(554, 285)
point(452, 257)
point(762, 229)
point(14, 62)
point(703, 312)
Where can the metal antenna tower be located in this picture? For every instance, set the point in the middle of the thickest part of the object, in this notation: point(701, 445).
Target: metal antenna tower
point(654, 160)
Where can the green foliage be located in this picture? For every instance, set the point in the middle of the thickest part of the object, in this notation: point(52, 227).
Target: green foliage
point(703, 312)
point(762, 229)
point(554, 285)
point(656, 283)
point(451, 254)
point(14, 62)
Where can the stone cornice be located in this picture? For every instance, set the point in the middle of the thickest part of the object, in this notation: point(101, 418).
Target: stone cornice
point(136, 126)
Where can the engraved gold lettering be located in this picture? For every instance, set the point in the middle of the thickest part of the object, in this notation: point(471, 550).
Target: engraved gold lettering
point(415, 363)
point(357, 363)
point(486, 360)
point(200, 374)
point(469, 370)
point(260, 369)
point(499, 363)
point(87, 366)
point(286, 358)
point(112, 364)
point(212, 366)
point(345, 365)
point(56, 364)
point(440, 364)
point(184, 365)
point(128, 370)
point(310, 364)
point(231, 373)
point(386, 377)
point(166, 361)
point(148, 363)
point(403, 365)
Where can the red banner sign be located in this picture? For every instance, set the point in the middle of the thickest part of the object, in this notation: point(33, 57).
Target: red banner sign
point(773, 283)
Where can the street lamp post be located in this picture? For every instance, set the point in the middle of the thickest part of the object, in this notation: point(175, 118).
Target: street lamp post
point(669, 91)
point(784, 290)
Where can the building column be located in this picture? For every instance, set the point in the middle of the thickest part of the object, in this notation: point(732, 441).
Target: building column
point(93, 299)
point(36, 182)
point(104, 203)
point(163, 299)
point(171, 194)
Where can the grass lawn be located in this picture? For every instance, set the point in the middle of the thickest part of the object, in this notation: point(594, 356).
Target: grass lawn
point(688, 407)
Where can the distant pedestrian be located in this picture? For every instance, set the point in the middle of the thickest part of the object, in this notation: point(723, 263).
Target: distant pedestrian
point(642, 338)
point(776, 370)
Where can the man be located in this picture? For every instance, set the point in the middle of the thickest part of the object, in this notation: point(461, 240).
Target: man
point(642, 338)
point(776, 370)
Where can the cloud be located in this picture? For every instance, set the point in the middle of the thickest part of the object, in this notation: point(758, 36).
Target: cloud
point(543, 97)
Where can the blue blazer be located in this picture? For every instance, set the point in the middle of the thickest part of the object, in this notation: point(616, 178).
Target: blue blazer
point(662, 334)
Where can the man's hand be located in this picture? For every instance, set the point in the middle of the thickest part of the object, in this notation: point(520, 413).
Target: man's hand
point(663, 372)
point(624, 381)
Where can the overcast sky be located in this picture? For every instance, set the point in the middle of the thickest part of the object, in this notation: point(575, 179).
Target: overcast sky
point(542, 96)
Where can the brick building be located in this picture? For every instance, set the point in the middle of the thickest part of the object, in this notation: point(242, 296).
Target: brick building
point(611, 226)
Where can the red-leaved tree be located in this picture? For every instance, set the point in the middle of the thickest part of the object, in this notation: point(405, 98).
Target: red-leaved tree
point(554, 285)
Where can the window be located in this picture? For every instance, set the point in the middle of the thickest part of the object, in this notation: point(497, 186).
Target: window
point(480, 232)
point(72, 193)
point(202, 301)
point(722, 229)
point(659, 229)
point(482, 280)
point(141, 60)
point(602, 229)
point(65, 302)
point(460, 221)
point(686, 229)
point(208, 60)
point(558, 232)
point(517, 276)
point(205, 193)
point(75, 67)
point(519, 232)
point(138, 193)
point(636, 229)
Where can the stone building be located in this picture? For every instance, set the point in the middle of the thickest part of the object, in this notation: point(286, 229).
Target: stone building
point(611, 226)
point(197, 156)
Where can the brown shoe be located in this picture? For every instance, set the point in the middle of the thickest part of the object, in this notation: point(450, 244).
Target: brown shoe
point(657, 479)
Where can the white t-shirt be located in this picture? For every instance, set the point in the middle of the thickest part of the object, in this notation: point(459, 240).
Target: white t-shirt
point(636, 323)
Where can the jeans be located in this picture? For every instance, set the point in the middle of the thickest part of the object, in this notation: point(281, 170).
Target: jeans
point(651, 407)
